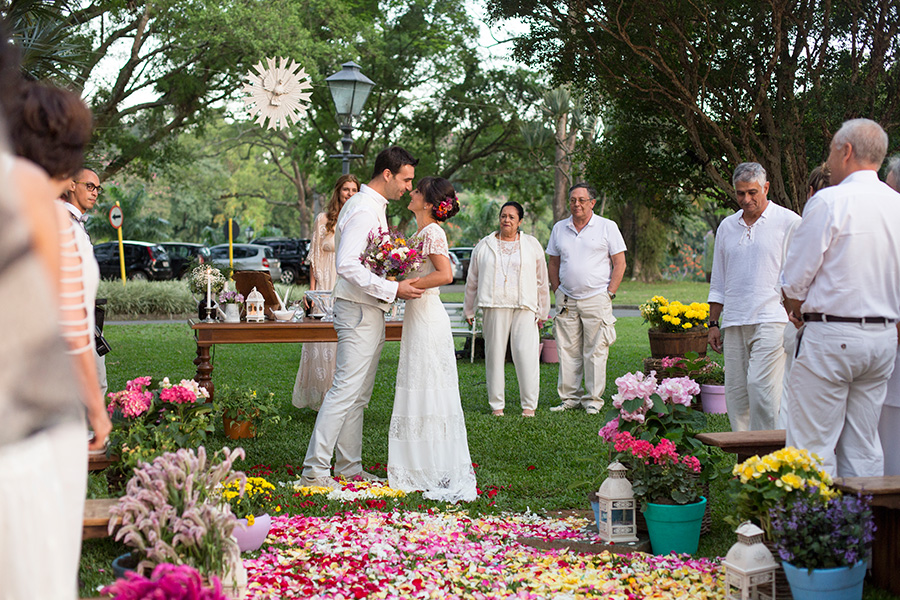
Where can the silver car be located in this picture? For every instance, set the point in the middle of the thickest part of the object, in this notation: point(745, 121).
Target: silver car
point(457, 268)
point(248, 257)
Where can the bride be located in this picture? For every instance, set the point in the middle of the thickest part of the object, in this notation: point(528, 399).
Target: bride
point(427, 445)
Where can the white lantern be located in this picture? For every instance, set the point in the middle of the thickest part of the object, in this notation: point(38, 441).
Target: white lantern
point(749, 566)
point(256, 307)
point(617, 507)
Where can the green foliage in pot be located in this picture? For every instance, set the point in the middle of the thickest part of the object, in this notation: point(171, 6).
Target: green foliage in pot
point(245, 404)
point(701, 369)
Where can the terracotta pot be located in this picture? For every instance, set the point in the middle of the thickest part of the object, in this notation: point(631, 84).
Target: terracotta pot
point(237, 430)
point(663, 344)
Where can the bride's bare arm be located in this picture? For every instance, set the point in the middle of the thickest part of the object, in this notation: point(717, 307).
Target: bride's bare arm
point(442, 274)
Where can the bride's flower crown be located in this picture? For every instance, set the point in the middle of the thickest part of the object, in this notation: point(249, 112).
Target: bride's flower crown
point(443, 209)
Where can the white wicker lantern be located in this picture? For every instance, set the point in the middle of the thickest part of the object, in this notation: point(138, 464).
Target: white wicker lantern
point(618, 507)
point(256, 307)
point(749, 566)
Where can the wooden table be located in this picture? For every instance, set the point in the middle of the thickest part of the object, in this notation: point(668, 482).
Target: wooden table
point(96, 518)
point(745, 443)
point(885, 492)
point(305, 330)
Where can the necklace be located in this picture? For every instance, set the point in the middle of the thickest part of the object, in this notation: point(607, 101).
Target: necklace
point(504, 268)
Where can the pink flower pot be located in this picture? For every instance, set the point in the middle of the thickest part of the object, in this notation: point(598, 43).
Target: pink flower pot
point(713, 398)
point(549, 353)
point(250, 538)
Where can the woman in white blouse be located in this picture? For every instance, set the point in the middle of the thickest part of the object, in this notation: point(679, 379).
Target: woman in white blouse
point(508, 281)
point(317, 359)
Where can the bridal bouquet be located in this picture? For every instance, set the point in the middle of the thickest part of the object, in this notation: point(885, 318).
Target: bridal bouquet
point(391, 254)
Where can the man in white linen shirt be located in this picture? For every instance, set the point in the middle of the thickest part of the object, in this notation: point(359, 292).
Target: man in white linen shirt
point(586, 265)
point(842, 277)
point(743, 291)
point(360, 301)
point(889, 423)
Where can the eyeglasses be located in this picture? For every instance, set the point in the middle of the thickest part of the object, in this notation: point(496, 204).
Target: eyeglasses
point(580, 200)
point(91, 187)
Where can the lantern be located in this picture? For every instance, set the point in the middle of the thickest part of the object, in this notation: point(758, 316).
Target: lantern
point(256, 307)
point(617, 507)
point(749, 566)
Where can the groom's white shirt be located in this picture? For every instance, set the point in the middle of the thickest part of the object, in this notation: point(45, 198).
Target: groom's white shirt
point(363, 212)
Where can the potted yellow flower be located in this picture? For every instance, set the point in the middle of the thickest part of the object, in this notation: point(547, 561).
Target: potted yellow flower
point(675, 328)
point(251, 502)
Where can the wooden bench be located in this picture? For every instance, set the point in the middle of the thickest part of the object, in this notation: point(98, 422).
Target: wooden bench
point(745, 443)
point(885, 503)
point(460, 328)
point(98, 462)
point(96, 518)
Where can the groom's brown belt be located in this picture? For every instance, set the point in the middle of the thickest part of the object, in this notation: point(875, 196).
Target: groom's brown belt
point(807, 317)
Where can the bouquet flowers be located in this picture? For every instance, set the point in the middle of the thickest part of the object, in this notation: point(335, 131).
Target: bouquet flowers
point(171, 513)
point(203, 274)
point(777, 479)
point(818, 533)
point(229, 297)
point(391, 254)
point(149, 420)
point(674, 317)
point(167, 582)
point(658, 473)
point(251, 498)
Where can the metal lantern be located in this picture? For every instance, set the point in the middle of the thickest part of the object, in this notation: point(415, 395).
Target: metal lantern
point(256, 307)
point(749, 566)
point(349, 89)
point(618, 507)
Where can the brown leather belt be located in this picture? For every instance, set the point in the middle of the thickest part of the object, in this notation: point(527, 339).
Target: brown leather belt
point(807, 317)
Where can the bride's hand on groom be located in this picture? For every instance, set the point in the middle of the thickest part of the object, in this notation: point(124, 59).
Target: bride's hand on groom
point(406, 290)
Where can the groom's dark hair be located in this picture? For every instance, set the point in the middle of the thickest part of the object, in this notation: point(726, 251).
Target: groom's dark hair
point(392, 158)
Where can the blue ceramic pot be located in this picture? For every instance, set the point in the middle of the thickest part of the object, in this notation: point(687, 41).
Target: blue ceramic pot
point(123, 564)
point(675, 527)
point(842, 583)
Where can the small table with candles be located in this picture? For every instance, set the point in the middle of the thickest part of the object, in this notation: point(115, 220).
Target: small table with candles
point(304, 330)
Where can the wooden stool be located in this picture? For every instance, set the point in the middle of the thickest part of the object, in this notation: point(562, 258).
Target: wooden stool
point(745, 443)
point(885, 492)
point(96, 518)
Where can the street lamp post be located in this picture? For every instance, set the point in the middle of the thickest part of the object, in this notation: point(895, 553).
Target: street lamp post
point(349, 89)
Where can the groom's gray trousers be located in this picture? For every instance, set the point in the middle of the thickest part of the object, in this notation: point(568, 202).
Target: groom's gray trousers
point(338, 429)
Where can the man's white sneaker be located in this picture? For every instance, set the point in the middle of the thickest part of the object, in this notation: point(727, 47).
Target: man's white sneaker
point(325, 482)
point(362, 476)
point(562, 407)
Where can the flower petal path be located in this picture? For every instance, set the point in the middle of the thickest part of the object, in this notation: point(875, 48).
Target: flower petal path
point(371, 554)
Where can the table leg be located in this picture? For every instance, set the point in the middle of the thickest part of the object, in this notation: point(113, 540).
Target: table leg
point(886, 550)
point(204, 370)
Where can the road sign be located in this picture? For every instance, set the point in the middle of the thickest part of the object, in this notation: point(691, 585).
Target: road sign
point(235, 229)
point(116, 217)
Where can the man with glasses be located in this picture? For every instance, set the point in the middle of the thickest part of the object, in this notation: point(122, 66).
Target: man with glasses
point(587, 263)
point(80, 198)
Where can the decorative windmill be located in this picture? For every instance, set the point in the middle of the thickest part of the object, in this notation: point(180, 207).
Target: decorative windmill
point(277, 93)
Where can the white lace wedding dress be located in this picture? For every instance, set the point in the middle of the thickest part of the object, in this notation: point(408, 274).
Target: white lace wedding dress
point(427, 446)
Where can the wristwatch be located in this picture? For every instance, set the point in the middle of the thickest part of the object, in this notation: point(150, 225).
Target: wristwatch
point(612, 295)
point(713, 324)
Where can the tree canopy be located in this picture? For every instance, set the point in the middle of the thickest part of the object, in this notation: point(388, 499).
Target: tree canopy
point(725, 81)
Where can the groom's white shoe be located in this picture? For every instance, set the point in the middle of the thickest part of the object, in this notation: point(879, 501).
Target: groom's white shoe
point(325, 482)
point(361, 476)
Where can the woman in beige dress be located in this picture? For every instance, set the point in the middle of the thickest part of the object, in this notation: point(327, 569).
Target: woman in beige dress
point(317, 360)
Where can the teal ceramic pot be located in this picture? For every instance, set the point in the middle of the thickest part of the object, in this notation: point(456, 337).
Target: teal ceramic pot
point(842, 583)
point(675, 527)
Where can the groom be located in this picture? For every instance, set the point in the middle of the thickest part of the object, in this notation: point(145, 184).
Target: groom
point(360, 301)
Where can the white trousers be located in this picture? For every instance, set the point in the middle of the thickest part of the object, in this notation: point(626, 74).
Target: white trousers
point(338, 429)
point(754, 374)
point(585, 329)
point(889, 423)
point(837, 389)
point(518, 327)
point(790, 346)
point(43, 481)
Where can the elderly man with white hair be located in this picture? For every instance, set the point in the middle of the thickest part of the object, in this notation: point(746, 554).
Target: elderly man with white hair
point(747, 263)
point(889, 424)
point(842, 278)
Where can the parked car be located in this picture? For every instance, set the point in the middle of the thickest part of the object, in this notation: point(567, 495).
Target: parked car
point(184, 256)
point(143, 261)
point(292, 252)
point(464, 254)
point(457, 268)
point(248, 257)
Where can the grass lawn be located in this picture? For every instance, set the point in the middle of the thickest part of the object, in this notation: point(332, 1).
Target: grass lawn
point(546, 463)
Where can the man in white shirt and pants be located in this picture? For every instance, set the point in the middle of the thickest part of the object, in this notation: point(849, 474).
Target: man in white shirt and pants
point(587, 263)
point(743, 291)
point(842, 278)
point(360, 301)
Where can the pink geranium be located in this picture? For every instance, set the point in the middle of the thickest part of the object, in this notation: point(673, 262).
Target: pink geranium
point(678, 390)
point(134, 400)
